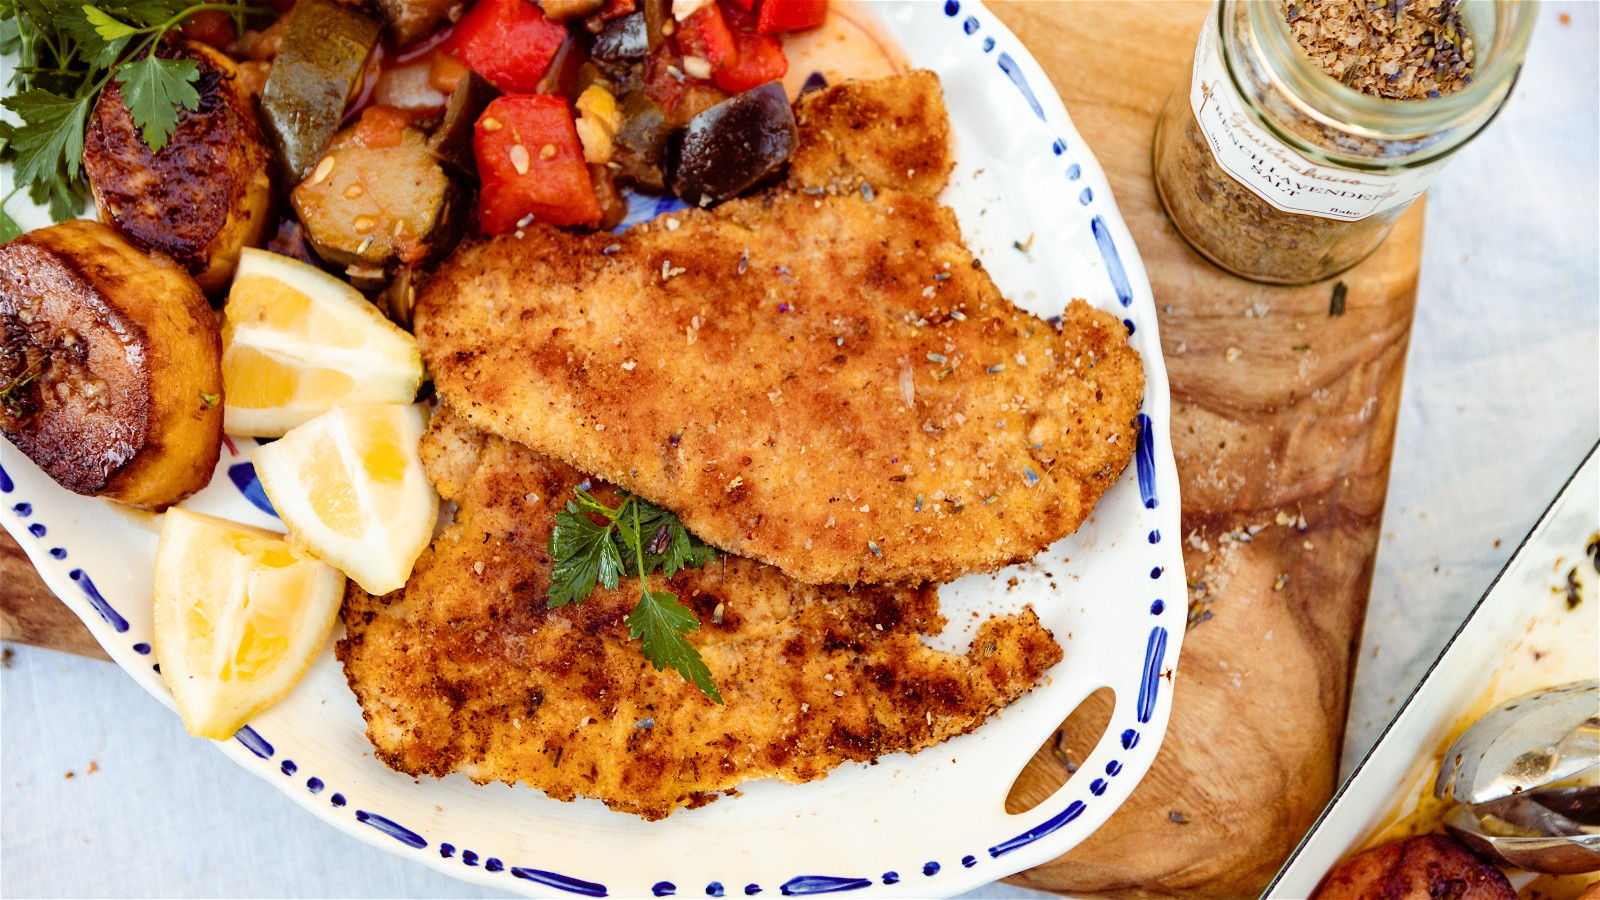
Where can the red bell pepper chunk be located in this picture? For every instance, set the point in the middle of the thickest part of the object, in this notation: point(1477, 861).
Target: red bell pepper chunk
point(509, 42)
point(531, 164)
point(791, 15)
point(758, 58)
point(705, 34)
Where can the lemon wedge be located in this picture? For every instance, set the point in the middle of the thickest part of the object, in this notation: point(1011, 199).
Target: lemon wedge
point(296, 342)
point(350, 486)
point(240, 615)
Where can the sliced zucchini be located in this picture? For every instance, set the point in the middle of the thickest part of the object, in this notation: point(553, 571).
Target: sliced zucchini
point(379, 207)
point(319, 68)
point(207, 194)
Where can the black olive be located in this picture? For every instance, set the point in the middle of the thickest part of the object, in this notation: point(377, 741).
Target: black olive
point(622, 41)
point(733, 145)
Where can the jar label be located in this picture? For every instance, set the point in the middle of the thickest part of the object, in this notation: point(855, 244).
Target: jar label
point(1272, 170)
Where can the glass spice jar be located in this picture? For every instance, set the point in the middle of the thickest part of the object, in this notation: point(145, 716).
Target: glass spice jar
point(1278, 170)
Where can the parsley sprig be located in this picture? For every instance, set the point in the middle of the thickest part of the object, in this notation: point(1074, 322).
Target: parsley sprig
point(67, 52)
point(638, 538)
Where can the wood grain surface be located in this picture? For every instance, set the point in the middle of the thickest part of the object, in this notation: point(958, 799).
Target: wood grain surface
point(1265, 434)
point(1283, 426)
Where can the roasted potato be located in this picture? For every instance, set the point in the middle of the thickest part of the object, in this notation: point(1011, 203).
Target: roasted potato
point(110, 364)
point(379, 199)
point(207, 193)
point(1424, 867)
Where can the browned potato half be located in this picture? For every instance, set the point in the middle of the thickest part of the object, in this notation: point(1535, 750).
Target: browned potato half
point(207, 193)
point(110, 366)
point(379, 202)
point(1424, 867)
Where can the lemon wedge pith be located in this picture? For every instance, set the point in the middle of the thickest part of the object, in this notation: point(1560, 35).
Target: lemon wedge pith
point(351, 488)
point(296, 342)
point(240, 615)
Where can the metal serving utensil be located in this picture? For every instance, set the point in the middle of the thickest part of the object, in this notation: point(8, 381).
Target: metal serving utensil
point(1526, 778)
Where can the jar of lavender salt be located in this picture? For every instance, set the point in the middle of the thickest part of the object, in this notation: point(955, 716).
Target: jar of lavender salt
point(1309, 126)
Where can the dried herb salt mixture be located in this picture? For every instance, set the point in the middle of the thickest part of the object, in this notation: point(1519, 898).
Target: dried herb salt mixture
point(1395, 49)
point(1271, 192)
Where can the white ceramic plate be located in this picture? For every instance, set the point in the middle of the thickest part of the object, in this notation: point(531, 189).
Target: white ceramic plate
point(1521, 637)
point(930, 824)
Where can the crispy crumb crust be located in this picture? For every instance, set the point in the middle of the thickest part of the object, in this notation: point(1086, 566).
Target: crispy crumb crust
point(467, 670)
point(861, 405)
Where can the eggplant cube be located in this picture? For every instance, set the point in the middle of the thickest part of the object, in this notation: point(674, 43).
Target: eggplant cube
point(733, 145)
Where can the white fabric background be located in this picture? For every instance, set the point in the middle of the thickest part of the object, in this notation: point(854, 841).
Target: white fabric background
point(1501, 402)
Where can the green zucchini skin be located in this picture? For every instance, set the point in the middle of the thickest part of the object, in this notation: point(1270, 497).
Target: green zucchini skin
point(451, 142)
point(318, 70)
point(380, 207)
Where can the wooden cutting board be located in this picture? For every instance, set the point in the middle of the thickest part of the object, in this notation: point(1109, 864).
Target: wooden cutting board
point(1283, 425)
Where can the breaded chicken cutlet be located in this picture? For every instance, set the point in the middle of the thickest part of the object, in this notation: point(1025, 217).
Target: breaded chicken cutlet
point(821, 377)
point(467, 670)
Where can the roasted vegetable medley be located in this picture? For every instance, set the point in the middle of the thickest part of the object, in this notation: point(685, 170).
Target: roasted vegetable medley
point(368, 132)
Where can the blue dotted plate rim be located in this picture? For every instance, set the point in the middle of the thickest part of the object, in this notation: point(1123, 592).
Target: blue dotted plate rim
point(1155, 473)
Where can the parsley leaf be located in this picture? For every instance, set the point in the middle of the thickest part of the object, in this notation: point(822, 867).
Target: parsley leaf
point(50, 138)
point(154, 88)
point(107, 27)
point(659, 622)
point(637, 539)
point(65, 52)
point(584, 553)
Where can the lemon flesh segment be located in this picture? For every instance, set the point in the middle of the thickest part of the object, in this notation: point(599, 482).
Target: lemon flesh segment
point(240, 615)
point(297, 342)
point(351, 488)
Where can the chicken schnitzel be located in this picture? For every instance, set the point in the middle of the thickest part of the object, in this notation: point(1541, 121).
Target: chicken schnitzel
point(822, 379)
point(468, 670)
point(859, 405)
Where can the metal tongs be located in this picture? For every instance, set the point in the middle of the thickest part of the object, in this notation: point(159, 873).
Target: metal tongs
point(1526, 781)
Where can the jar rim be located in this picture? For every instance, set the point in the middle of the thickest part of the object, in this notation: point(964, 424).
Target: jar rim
point(1336, 104)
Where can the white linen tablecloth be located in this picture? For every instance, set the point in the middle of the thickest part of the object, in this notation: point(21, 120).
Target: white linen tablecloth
point(105, 796)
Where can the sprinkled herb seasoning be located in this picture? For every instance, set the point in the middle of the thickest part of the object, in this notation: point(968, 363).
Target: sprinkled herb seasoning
point(1309, 126)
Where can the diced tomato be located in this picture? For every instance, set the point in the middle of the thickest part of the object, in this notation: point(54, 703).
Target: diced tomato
point(745, 5)
point(531, 164)
point(508, 42)
point(616, 9)
point(791, 15)
point(705, 35)
point(382, 126)
point(757, 58)
point(211, 26)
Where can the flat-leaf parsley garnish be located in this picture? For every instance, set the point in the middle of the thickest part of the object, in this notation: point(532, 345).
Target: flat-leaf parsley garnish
point(637, 539)
point(67, 51)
